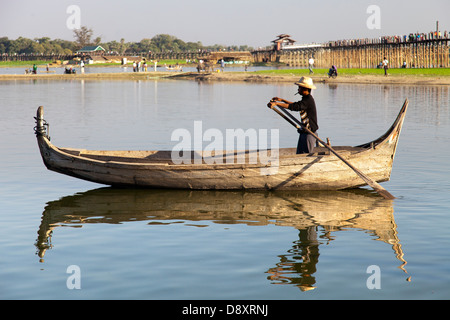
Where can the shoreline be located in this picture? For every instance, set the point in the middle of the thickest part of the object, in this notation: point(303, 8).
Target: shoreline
point(235, 76)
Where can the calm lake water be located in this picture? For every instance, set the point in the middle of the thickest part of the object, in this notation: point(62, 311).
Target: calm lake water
point(59, 232)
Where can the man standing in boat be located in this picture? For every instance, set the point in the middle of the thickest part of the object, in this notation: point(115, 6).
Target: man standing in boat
point(308, 113)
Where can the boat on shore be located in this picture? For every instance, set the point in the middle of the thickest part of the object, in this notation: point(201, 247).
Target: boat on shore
point(246, 169)
point(176, 68)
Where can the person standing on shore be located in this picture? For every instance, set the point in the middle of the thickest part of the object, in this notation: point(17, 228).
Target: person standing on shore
point(385, 66)
point(311, 64)
point(308, 113)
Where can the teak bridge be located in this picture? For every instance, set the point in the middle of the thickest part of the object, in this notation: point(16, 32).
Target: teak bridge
point(432, 53)
point(365, 53)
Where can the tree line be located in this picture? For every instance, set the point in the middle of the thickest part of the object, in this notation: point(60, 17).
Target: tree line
point(84, 37)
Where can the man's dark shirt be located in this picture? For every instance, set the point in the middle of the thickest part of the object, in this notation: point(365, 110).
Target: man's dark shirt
point(308, 113)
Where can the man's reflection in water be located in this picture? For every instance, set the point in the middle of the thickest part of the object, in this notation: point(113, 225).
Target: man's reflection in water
point(299, 265)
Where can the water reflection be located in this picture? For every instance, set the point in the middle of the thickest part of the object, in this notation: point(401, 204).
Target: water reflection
point(317, 216)
point(298, 266)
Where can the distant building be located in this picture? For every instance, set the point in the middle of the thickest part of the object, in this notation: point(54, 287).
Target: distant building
point(282, 40)
point(96, 50)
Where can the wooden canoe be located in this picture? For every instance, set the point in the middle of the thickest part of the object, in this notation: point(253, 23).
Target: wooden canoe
point(155, 169)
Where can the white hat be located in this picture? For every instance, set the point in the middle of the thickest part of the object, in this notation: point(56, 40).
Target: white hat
point(306, 82)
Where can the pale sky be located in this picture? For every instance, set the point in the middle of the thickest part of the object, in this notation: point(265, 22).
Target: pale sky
point(234, 22)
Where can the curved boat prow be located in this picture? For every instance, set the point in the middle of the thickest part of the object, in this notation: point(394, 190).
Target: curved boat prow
point(42, 127)
point(393, 133)
point(42, 135)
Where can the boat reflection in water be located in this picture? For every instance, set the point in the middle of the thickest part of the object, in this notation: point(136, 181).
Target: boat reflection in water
point(309, 212)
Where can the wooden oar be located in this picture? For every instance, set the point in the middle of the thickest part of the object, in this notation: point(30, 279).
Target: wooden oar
point(294, 121)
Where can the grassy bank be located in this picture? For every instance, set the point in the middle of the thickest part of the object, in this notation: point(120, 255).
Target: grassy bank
point(438, 72)
point(17, 64)
point(149, 63)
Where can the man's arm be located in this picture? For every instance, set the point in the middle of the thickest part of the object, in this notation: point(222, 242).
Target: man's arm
point(279, 102)
point(271, 104)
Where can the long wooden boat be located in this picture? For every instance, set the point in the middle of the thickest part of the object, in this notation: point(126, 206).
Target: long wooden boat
point(320, 170)
point(174, 68)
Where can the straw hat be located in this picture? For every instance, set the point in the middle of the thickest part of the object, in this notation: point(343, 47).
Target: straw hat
point(306, 82)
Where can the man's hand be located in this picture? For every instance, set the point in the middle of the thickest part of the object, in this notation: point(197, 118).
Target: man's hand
point(283, 101)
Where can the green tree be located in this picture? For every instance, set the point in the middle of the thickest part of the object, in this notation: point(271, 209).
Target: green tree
point(165, 42)
point(123, 46)
point(21, 45)
point(5, 43)
point(193, 46)
point(83, 36)
point(97, 41)
point(147, 45)
point(68, 47)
